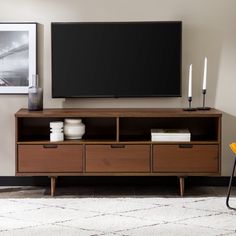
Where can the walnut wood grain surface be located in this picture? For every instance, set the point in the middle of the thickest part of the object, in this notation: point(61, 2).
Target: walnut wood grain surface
point(198, 158)
point(117, 112)
point(40, 158)
point(117, 158)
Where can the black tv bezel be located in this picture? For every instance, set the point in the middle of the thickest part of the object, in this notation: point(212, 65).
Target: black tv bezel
point(113, 95)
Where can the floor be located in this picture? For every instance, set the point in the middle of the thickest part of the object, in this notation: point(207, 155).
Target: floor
point(116, 210)
point(112, 191)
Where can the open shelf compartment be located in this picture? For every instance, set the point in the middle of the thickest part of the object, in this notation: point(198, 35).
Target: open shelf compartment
point(139, 129)
point(35, 129)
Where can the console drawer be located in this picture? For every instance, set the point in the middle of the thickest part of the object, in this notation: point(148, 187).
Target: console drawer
point(117, 158)
point(50, 158)
point(186, 158)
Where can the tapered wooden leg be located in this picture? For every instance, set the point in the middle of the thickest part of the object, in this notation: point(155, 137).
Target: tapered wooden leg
point(53, 185)
point(181, 185)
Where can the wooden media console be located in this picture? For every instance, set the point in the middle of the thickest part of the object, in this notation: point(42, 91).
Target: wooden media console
point(118, 142)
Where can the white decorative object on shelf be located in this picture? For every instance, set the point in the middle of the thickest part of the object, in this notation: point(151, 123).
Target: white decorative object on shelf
point(204, 74)
point(74, 129)
point(56, 128)
point(168, 135)
point(190, 81)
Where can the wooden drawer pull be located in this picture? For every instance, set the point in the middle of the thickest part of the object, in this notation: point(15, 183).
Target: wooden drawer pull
point(185, 146)
point(117, 146)
point(50, 146)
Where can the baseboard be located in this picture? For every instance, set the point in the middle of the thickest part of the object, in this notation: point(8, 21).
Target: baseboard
point(113, 180)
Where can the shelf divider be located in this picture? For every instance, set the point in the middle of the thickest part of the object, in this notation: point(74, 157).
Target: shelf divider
point(117, 129)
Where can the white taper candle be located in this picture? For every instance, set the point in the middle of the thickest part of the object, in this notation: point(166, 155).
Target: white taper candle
point(190, 81)
point(204, 74)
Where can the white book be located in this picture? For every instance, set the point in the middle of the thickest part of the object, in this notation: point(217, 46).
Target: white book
point(171, 139)
point(167, 135)
point(170, 132)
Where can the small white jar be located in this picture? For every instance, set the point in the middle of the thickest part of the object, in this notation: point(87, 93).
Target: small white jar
point(74, 128)
point(56, 134)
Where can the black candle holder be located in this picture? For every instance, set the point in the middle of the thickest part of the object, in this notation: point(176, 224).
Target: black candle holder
point(189, 108)
point(204, 101)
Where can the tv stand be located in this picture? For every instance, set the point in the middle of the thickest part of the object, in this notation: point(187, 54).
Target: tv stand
point(118, 142)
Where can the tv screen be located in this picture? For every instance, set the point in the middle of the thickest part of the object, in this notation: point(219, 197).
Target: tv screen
point(116, 59)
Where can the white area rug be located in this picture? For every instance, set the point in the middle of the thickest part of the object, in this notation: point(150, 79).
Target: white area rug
point(117, 216)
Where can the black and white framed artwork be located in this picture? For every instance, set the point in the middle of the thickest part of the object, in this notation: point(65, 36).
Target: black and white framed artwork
point(17, 57)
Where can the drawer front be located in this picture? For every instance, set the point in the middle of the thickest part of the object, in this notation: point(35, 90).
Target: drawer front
point(117, 158)
point(186, 158)
point(50, 158)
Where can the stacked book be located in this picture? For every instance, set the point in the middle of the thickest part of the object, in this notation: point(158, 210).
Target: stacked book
point(168, 135)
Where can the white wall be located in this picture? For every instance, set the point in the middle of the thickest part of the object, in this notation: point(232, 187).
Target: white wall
point(208, 30)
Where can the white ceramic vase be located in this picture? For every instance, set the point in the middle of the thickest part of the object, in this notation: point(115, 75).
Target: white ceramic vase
point(74, 128)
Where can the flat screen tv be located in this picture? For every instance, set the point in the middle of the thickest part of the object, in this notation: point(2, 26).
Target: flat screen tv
point(116, 59)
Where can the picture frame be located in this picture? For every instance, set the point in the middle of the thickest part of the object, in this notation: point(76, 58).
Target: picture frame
point(17, 57)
